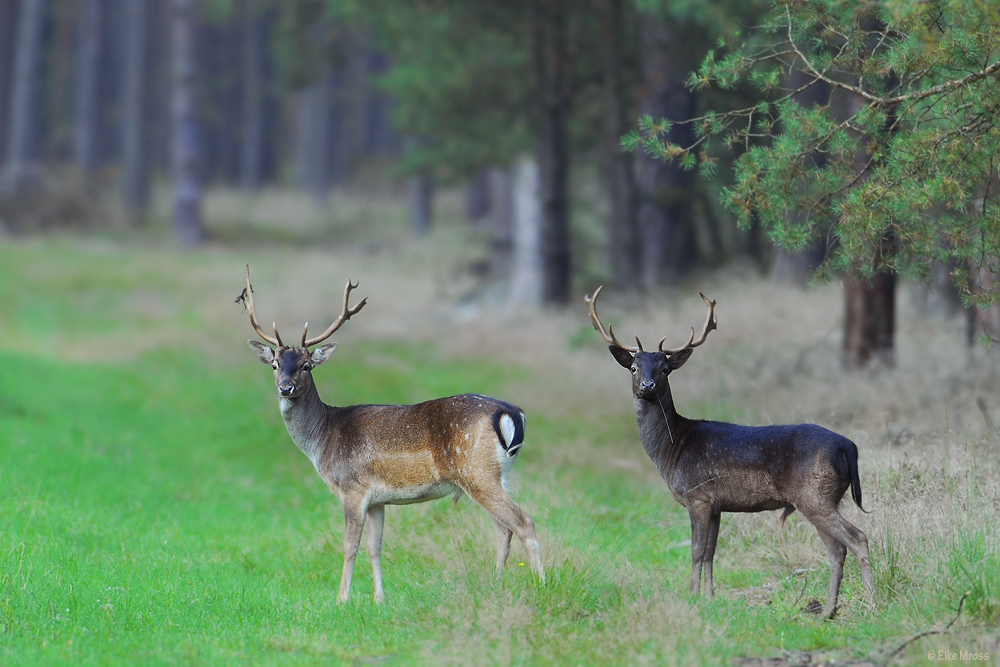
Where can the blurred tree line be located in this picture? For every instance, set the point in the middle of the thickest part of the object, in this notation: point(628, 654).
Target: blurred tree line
point(101, 94)
point(502, 97)
point(516, 101)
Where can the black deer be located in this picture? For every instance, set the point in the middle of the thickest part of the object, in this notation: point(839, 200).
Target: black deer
point(713, 467)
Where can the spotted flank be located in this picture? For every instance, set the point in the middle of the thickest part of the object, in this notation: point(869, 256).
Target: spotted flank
point(509, 425)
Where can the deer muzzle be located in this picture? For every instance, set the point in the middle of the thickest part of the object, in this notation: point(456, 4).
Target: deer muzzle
point(286, 388)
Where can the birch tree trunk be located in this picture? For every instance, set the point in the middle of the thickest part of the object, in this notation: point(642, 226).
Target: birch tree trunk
point(527, 267)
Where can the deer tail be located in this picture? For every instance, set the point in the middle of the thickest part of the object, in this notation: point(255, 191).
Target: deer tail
point(852, 464)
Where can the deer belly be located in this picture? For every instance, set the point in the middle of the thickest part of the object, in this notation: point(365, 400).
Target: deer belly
point(730, 491)
point(411, 494)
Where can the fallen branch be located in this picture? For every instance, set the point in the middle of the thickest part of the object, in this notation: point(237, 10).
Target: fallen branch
point(928, 633)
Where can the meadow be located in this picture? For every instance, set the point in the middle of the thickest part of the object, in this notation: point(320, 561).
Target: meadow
point(154, 511)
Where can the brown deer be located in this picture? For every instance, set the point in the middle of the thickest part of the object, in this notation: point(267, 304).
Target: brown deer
point(713, 467)
point(376, 455)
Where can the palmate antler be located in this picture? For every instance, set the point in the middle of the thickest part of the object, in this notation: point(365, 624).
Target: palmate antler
point(609, 334)
point(345, 314)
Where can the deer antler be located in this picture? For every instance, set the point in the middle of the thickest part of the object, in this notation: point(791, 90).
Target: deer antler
point(710, 323)
point(345, 314)
point(609, 335)
point(247, 296)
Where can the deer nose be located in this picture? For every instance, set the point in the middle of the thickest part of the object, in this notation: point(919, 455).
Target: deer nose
point(286, 388)
point(646, 385)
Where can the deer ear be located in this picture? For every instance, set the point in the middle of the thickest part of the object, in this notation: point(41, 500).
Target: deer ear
point(322, 353)
point(677, 359)
point(263, 352)
point(621, 355)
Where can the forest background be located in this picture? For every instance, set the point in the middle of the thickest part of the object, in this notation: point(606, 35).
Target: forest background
point(465, 160)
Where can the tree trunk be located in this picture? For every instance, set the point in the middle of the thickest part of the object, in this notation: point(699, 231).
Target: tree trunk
point(666, 215)
point(982, 278)
point(188, 227)
point(350, 82)
point(501, 216)
point(623, 216)
point(547, 29)
point(380, 137)
point(86, 117)
point(869, 306)
point(312, 148)
point(982, 322)
point(22, 157)
point(219, 59)
point(135, 150)
point(158, 134)
point(8, 25)
point(940, 297)
point(869, 320)
point(252, 117)
point(477, 198)
point(527, 280)
point(421, 190)
point(57, 82)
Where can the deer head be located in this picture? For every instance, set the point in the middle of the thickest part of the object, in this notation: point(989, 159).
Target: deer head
point(293, 365)
point(650, 369)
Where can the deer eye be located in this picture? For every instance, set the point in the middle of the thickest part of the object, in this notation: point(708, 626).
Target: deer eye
point(307, 367)
point(274, 365)
point(634, 369)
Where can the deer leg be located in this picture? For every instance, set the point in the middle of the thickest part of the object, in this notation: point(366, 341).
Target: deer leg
point(505, 512)
point(854, 539)
point(374, 522)
point(713, 538)
point(837, 552)
point(846, 536)
point(353, 524)
point(504, 535)
point(701, 520)
point(857, 542)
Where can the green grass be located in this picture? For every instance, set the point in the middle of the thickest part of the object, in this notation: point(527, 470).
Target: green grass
point(154, 511)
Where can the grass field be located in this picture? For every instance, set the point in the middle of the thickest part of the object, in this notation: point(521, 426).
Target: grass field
point(154, 511)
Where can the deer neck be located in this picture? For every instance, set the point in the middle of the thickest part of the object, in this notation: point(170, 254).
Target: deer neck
point(306, 420)
point(661, 429)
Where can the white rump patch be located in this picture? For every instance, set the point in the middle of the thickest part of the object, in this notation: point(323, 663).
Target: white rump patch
point(504, 455)
point(507, 429)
